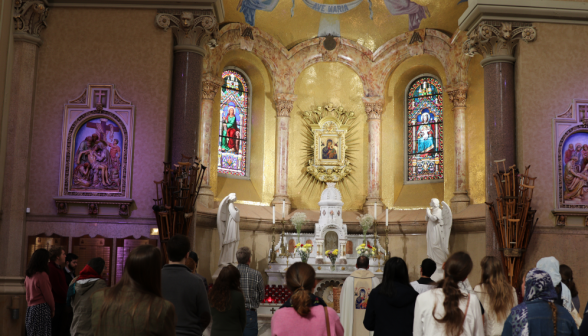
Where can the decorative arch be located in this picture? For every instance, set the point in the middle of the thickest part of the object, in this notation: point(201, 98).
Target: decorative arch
point(373, 68)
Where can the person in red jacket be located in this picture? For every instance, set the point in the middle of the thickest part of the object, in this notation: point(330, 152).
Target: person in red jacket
point(58, 286)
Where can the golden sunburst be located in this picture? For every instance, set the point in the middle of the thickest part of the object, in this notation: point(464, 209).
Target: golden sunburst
point(338, 168)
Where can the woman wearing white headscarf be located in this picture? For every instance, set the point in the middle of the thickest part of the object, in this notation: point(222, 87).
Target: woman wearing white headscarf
point(551, 266)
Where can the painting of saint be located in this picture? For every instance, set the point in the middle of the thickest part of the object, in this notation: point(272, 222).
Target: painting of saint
point(425, 135)
point(329, 151)
point(574, 161)
point(230, 130)
point(98, 155)
point(361, 299)
point(415, 12)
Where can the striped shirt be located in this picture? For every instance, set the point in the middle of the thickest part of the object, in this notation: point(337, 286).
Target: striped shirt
point(251, 285)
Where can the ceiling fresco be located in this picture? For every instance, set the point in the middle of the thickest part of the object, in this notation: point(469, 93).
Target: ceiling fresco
point(369, 22)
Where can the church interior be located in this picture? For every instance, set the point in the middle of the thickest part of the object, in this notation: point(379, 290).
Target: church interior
point(298, 108)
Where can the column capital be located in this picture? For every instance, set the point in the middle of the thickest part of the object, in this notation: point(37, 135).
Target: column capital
point(192, 31)
point(29, 18)
point(496, 40)
point(210, 85)
point(458, 95)
point(374, 106)
point(284, 104)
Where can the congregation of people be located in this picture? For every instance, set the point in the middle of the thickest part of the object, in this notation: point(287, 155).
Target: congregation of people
point(176, 300)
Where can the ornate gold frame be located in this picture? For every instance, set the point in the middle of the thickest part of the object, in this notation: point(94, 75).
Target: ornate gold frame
point(328, 122)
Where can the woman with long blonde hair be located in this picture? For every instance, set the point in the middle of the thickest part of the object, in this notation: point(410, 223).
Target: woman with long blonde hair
point(497, 296)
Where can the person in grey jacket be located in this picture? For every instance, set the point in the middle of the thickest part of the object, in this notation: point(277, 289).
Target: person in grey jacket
point(83, 286)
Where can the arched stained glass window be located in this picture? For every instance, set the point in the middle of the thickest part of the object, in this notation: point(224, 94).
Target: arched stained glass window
point(233, 145)
point(424, 130)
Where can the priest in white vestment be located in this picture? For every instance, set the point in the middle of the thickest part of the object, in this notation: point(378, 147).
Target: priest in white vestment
point(354, 297)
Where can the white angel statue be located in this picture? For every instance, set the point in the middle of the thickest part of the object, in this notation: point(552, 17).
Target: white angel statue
point(438, 231)
point(227, 223)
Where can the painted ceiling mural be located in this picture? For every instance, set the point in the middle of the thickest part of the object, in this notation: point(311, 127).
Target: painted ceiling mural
point(369, 22)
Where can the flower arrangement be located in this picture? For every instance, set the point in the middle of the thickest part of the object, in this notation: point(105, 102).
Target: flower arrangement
point(366, 250)
point(365, 221)
point(298, 219)
point(332, 255)
point(303, 251)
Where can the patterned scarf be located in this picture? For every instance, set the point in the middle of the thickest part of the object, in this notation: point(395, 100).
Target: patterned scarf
point(538, 286)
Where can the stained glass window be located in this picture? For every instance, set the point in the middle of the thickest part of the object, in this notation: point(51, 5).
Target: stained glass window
point(425, 130)
point(233, 131)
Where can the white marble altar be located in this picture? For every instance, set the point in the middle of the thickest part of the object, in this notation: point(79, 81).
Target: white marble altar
point(329, 228)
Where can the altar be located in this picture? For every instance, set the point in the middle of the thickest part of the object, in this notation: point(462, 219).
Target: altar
point(330, 233)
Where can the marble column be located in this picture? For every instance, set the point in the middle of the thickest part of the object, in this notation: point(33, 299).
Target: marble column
point(29, 19)
point(496, 42)
point(210, 86)
point(374, 107)
point(284, 104)
point(460, 199)
point(192, 35)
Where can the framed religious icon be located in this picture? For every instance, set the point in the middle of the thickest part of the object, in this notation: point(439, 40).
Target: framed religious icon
point(97, 148)
point(326, 130)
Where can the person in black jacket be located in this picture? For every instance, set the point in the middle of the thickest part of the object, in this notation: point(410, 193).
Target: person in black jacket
point(390, 308)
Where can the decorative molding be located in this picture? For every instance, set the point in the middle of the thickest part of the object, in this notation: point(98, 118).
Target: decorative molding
point(12, 285)
point(193, 32)
point(214, 6)
point(284, 104)
point(29, 18)
point(565, 12)
point(210, 86)
point(458, 96)
point(567, 114)
point(374, 106)
point(93, 204)
point(497, 39)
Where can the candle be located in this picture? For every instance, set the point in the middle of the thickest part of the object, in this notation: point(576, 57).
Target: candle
point(274, 215)
point(375, 212)
point(387, 216)
point(283, 209)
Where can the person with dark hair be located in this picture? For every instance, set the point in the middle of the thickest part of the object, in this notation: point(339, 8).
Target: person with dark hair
point(40, 303)
point(69, 269)
point(448, 309)
point(71, 262)
point(227, 304)
point(428, 267)
point(567, 277)
point(354, 297)
point(252, 286)
point(496, 295)
point(79, 293)
point(390, 310)
point(58, 288)
point(134, 306)
point(184, 289)
point(304, 313)
point(192, 264)
point(538, 315)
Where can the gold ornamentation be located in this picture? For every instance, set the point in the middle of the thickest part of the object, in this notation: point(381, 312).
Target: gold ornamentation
point(330, 143)
point(343, 268)
point(496, 38)
point(319, 268)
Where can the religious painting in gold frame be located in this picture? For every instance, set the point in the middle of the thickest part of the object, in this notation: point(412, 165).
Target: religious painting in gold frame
point(330, 142)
